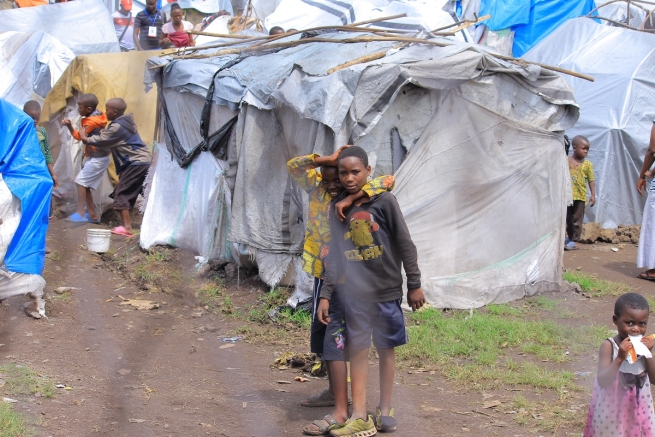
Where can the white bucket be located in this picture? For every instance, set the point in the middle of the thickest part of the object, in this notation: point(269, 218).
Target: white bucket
point(97, 240)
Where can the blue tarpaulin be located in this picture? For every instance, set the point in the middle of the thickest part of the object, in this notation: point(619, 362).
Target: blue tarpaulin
point(24, 170)
point(531, 20)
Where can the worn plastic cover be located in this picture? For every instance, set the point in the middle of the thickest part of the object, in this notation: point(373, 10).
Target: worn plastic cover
point(204, 6)
point(531, 21)
point(616, 111)
point(23, 169)
point(291, 106)
point(30, 64)
point(84, 26)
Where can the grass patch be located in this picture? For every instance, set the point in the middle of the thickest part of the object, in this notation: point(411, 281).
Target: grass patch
point(12, 424)
point(159, 255)
point(543, 303)
point(21, 380)
point(476, 347)
point(595, 287)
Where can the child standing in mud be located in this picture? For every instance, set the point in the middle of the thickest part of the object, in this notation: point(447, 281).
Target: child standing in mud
point(364, 266)
point(323, 187)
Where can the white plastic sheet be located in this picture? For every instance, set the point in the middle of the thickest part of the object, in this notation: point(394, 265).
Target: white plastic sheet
point(84, 26)
point(30, 64)
point(616, 109)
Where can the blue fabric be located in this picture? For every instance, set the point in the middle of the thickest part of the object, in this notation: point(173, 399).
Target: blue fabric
point(505, 13)
point(531, 20)
point(546, 16)
point(24, 170)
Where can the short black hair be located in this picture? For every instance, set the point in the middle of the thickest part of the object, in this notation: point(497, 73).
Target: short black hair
point(175, 6)
point(630, 300)
point(275, 29)
point(88, 100)
point(31, 105)
point(578, 138)
point(355, 151)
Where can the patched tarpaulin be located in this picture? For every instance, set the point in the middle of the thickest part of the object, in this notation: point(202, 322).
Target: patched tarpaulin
point(399, 109)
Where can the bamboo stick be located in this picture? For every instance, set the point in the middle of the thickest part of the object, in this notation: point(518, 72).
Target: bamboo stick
point(360, 60)
point(216, 35)
point(470, 23)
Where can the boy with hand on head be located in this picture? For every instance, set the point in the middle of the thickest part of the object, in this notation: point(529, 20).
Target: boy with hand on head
point(131, 156)
point(33, 109)
point(364, 265)
point(94, 168)
point(323, 187)
point(582, 173)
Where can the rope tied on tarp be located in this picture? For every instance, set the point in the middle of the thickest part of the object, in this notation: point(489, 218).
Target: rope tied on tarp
point(216, 143)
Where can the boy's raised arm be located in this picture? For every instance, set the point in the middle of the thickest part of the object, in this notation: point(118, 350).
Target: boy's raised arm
point(370, 189)
point(303, 170)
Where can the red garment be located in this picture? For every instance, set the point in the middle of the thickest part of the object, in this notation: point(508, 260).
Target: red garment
point(97, 120)
point(180, 39)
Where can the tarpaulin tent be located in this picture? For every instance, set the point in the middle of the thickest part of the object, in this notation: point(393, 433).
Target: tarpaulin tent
point(107, 75)
point(84, 26)
point(616, 109)
point(484, 184)
point(300, 14)
point(30, 64)
point(25, 190)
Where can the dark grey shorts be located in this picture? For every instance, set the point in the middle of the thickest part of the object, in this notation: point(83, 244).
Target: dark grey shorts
point(335, 346)
point(382, 320)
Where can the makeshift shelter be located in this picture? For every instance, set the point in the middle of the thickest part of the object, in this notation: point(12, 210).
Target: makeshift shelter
point(25, 189)
point(616, 110)
point(84, 26)
point(30, 64)
point(107, 75)
point(483, 186)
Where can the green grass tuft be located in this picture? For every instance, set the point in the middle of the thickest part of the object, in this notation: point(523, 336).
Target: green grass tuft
point(11, 423)
point(595, 287)
point(21, 380)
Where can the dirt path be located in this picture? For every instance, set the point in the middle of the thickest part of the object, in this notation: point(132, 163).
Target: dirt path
point(166, 372)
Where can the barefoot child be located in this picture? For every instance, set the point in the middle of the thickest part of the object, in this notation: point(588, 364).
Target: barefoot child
point(621, 403)
point(364, 265)
point(322, 188)
point(131, 156)
point(582, 173)
point(98, 161)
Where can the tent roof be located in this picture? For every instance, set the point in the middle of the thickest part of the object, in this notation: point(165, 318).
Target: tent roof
point(300, 77)
point(84, 26)
point(108, 75)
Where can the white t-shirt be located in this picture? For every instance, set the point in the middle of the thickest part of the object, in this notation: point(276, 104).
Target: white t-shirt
point(120, 21)
point(168, 28)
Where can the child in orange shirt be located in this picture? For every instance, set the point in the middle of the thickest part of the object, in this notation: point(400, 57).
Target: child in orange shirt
point(93, 121)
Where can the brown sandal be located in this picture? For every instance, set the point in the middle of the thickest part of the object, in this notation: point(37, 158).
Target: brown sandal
point(647, 276)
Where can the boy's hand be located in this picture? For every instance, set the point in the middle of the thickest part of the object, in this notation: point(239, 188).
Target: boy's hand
point(415, 298)
point(334, 158)
point(592, 200)
point(66, 122)
point(341, 206)
point(641, 184)
point(624, 348)
point(323, 310)
point(648, 341)
point(55, 181)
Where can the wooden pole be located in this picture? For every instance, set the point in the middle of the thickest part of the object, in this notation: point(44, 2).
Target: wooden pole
point(360, 60)
point(216, 35)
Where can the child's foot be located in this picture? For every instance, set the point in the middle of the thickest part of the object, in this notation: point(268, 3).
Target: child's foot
point(322, 426)
point(356, 428)
point(570, 246)
point(385, 423)
point(325, 399)
point(94, 221)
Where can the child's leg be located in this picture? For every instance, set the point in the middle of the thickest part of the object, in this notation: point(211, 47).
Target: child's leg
point(338, 375)
point(81, 199)
point(358, 378)
point(90, 206)
point(387, 373)
point(569, 222)
point(125, 218)
point(578, 218)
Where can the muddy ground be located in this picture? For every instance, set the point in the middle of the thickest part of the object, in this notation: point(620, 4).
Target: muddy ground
point(166, 372)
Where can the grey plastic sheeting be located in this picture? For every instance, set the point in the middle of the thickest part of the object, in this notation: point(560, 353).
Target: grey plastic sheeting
point(616, 110)
point(481, 137)
point(84, 26)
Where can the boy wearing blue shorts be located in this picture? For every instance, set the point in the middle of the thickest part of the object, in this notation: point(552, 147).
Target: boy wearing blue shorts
point(363, 266)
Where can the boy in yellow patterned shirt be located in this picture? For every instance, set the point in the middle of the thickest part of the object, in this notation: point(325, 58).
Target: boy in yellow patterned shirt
point(323, 187)
point(582, 173)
